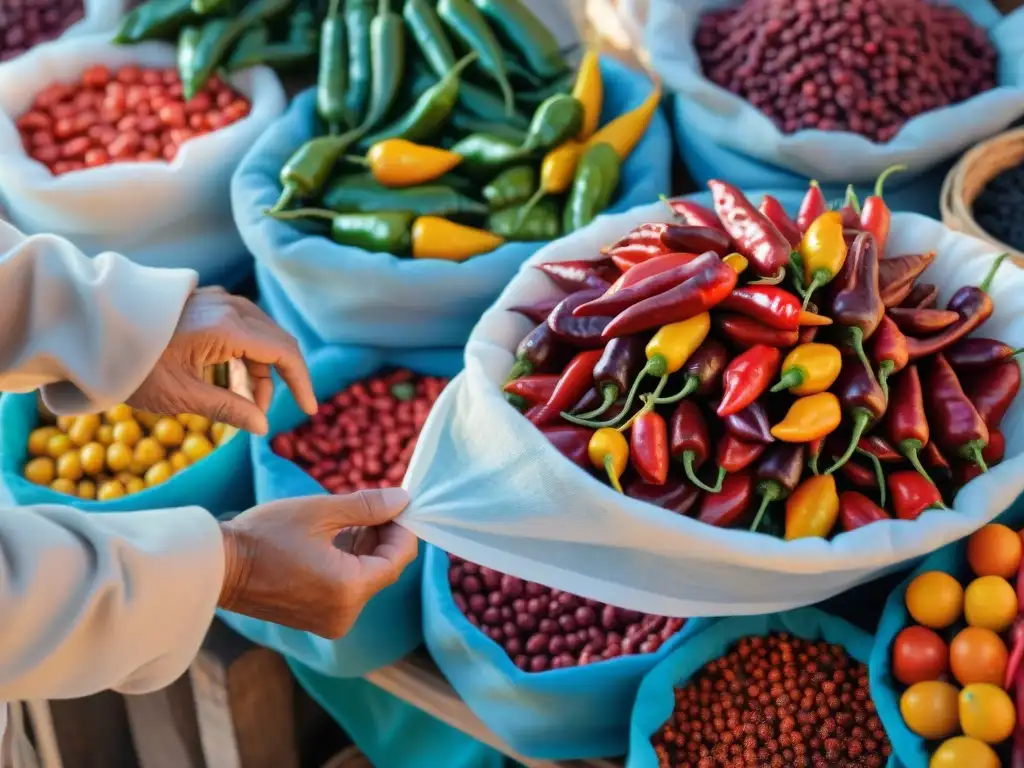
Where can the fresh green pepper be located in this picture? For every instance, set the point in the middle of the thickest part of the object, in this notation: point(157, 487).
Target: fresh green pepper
point(249, 49)
point(387, 63)
point(559, 85)
point(332, 70)
point(472, 124)
point(430, 111)
point(597, 176)
point(361, 194)
point(155, 19)
point(540, 223)
point(358, 19)
point(485, 154)
point(386, 231)
point(471, 28)
point(511, 187)
point(555, 121)
point(307, 170)
point(518, 71)
point(255, 48)
point(425, 25)
point(207, 7)
point(526, 33)
point(485, 105)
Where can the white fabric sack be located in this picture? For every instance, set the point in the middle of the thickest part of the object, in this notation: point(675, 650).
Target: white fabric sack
point(101, 16)
point(487, 486)
point(156, 213)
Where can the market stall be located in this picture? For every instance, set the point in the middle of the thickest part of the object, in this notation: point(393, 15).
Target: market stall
point(695, 344)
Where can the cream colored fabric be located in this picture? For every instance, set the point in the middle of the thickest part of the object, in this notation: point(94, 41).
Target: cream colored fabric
point(89, 602)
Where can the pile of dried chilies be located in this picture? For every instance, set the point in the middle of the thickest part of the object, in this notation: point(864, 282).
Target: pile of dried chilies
point(737, 358)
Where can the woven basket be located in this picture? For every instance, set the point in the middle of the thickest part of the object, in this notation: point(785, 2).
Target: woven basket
point(968, 178)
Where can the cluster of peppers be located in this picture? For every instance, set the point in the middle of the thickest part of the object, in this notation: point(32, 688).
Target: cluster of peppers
point(831, 381)
point(426, 152)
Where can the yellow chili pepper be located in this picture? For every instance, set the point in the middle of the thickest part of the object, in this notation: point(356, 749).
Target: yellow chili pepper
point(810, 318)
point(812, 509)
point(737, 262)
point(589, 91)
point(401, 163)
point(809, 418)
point(624, 132)
point(823, 251)
point(809, 369)
point(557, 171)
point(608, 450)
point(437, 238)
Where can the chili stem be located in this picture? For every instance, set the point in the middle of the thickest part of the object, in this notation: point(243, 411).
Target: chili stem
point(910, 449)
point(1015, 352)
point(519, 369)
point(857, 342)
point(355, 160)
point(609, 467)
point(610, 393)
point(884, 369)
point(974, 454)
point(860, 423)
point(528, 207)
point(851, 199)
point(813, 463)
point(668, 202)
point(287, 195)
point(688, 458)
point(649, 403)
point(692, 382)
point(650, 367)
point(819, 279)
point(987, 282)
point(880, 182)
point(302, 213)
point(516, 401)
point(775, 279)
point(879, 475)
point(770, 494)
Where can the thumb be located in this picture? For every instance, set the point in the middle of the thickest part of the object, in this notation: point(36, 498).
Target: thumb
point(369, 508)
point(220, 404)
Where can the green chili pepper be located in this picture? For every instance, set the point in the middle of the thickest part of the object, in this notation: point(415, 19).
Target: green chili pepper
point(430, 111)
point(332, 70)
point(555, 121)
point(425, 25)
point(485, 105)
point(255, 48)
point(511, 187)
point(387, 63)
point(597, 176)
point(361, 194)
point(249, 49)
point(472, 124)
point(387, 231)
point(517, 70)
point(471, 28)
point(358, 19)
point(557, 86)
point(205, 7)
point(155, 19)
point(485, 154)
point(527, 34)
point(307, 170)
point(540, 223)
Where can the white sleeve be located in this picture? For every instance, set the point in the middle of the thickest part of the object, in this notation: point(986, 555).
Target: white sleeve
point(86, 331)
point(96, 601)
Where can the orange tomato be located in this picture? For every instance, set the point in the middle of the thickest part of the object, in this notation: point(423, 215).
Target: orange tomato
point(930, 709)
point(935, 599)
point(963, 750)
point(990, 602)
point(995, 550)
point(978, 655)
point(987, 713)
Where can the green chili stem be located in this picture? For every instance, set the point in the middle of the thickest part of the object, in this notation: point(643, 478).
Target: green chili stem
point(791, 377)
point(654, 364)
point(692, 382)
point(910, 448)
point(880, 182)
point(302, 213)
point(609, 467)
point(1015, 353)
point(287, 195)
point(884, 369)
point(519, 369)
point(857, 342)
point(987, 282)
point(775, 279)
point(861, 420)
point(688, 458)
point(649, 402)
point(516, 401)
point(813, 463)
point(972, 451)
point(610, 393)
point(771, 493)
point(356, 160)
point(528, 207)
point(879, 475)
point(851, 199)
point(820, 278)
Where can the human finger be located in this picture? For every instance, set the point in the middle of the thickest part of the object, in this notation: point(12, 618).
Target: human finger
point(368, 507)
point(396, 544)
point(262, 384)
point(378, 573)
point(266, 343)
point(219, 404)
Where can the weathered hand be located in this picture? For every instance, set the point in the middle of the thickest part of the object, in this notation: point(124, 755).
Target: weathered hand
point(313, 563)
point(216, 327)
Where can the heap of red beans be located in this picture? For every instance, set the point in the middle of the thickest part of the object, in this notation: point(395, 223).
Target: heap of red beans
point(26, 23)
point(776, 701)
point(132, 114)
point(542, 628)
point(865, 66)
point(364, 436)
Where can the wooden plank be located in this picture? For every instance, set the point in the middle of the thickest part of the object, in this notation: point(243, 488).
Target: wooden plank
point(349, 758)
point(417, 681)
point(164, 728)
point(93, 732)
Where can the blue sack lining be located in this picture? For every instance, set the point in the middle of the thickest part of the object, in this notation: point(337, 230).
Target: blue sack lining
point(348, 295)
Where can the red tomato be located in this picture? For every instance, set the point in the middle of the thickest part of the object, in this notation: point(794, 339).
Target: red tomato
point(919, 655)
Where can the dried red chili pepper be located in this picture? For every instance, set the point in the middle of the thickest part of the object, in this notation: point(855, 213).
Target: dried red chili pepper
point(726, 507)
point(856, 510)
point(906, 422)
point(958, 426)
point(918, 321)
point(571, 442)
point(691, 444)
point(877, 446)
point(862, 397)
point(576, 379)
point(750, 424)
point(974, 306)
point(734, 455)
point(702, 372)
point(993, 391)
point(897, 276)
point(755, 237)
point(856, 304)
point(539, 311)
point(811, 207)
point(580, 275)
point(776, 214)
point(575, 331)
point(620, 363)
point(994, 453)
point(888, 351)
point(775, 307)
point(535, 389)
point(538, 349)
point(934, 459)
point(747, 377)
point(649, 268)
point(976, 354)
point(698, 294)
point(746, 332)
point(648, 447)
point(875, 216)
point(859, 475)
point(921, 296)
point(675, 495)
point(660, 237)
point(694, 214)
point(778, 474)
point(912, 494)
point(613, 302)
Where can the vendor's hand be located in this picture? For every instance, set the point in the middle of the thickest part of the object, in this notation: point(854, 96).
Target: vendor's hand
point(313, 563)
point(216, 327)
